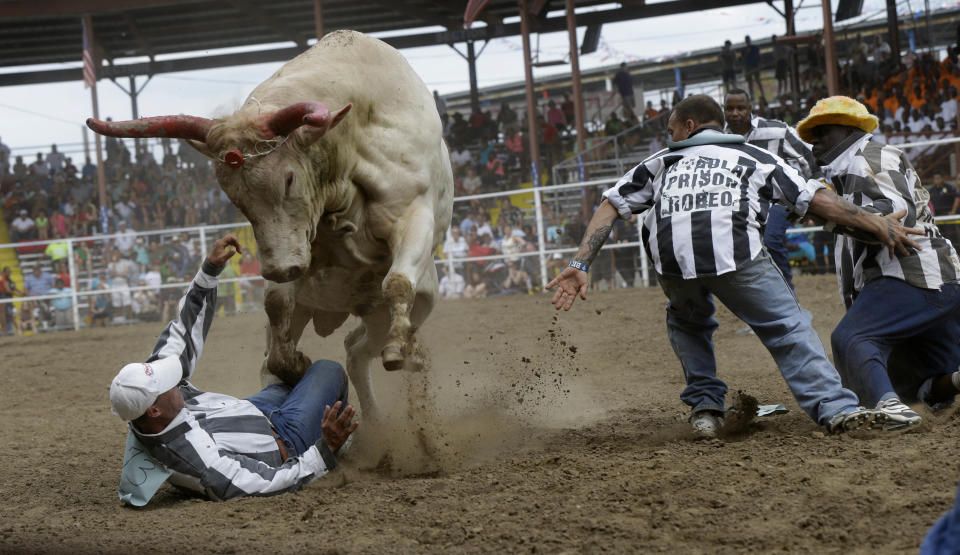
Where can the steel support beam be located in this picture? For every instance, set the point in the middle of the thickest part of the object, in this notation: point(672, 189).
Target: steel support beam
point(318, 18)
point(575, 76)
point(830, 49)
point(532, 135)
point(101, 175)
point(789, 13)
point(893, 27)
point(472, 71)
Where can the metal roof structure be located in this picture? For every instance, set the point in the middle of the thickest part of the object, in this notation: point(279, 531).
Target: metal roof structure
point(34, 32)
point(702, 66)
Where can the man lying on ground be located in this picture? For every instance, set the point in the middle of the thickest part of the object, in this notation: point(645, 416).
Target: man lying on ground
point(273, 442)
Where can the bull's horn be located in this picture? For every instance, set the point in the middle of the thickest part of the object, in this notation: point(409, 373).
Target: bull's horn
point(174, 127)
point(283, 122)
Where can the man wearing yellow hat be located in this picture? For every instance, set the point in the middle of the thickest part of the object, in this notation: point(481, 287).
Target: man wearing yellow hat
point(905, 306)
point(700, 202)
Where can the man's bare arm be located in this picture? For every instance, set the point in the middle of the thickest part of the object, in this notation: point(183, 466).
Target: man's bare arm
point(598, 230)
point(887, 229)
point(573, 281)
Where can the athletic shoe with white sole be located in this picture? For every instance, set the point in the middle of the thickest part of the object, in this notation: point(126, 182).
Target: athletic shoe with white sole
point(899, 415)
point(706, 424)
point(859, 419)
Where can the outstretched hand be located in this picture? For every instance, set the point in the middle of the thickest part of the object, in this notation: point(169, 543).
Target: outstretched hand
point(571, 282)
point(895, 236)
point(336, 426)
point(224, 248)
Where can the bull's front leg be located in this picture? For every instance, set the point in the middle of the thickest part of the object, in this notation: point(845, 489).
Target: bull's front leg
point(412, 248)
point(287, 320)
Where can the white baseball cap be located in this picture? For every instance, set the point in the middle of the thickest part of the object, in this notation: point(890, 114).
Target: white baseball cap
point(138, 385)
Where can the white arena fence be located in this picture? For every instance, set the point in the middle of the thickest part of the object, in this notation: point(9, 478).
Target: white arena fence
point(626, 264)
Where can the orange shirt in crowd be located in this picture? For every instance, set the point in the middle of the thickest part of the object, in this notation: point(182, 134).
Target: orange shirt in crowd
point(891, 104)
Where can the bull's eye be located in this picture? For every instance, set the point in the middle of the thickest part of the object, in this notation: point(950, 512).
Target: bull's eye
point(289, 182)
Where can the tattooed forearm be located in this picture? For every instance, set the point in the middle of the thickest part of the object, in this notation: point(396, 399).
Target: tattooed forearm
point(591, 244)
point(850, 207)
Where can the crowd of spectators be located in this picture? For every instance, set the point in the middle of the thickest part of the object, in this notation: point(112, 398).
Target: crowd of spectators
point(52, 199)
point(913, 96)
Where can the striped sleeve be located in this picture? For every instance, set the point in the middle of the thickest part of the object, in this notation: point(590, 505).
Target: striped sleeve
point(633, 194)
point(788, 186)
point(225, 475)
point(184, 337)
point(792, 190)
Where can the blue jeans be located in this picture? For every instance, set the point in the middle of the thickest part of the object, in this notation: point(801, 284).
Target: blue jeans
point(891, 315)
point(758, 295)
point(296, 413)
point(775, 238)
point(944, 537)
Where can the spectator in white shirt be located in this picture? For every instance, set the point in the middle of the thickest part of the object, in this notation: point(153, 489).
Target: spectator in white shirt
point(39, 166)
point(455, 246)
point(483, 226)
point(451, 284)
point(881, 50)
point(126, 239)
point(55, 159)
point(153, 278)
point(918, 121)
point(471, 183)
point(948, 108)
point(23, 226)
point(510, 244)
point(461, 157)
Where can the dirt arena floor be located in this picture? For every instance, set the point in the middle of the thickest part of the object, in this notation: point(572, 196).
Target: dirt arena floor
point(549, 433)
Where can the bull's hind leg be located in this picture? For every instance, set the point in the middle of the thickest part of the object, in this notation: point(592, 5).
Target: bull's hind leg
point(409, 276)
point(362, 344)
point(287, 321)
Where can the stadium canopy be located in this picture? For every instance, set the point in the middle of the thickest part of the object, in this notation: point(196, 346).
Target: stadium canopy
point(147, 37)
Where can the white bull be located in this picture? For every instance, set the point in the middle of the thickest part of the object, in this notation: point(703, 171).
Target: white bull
point(347, 206)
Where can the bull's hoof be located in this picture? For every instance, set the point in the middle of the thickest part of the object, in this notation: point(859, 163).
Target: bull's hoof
point(392, 358)
point(287, 372)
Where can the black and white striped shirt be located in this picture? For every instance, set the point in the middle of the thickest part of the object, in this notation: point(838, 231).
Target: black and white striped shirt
point(706, 200)
point(880, 179)
point(220, 445)
point(779, 138)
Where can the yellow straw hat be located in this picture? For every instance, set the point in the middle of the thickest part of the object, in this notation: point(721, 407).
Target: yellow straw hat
point(836, 110)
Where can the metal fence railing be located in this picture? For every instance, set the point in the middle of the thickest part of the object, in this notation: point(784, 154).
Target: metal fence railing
point(550, 222)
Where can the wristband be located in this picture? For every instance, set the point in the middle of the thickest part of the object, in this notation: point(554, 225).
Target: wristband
point(580, 265)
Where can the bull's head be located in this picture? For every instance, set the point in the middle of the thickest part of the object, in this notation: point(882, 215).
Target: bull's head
point(269, 166)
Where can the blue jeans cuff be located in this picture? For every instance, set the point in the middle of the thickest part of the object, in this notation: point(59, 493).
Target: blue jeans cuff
point(703, 407)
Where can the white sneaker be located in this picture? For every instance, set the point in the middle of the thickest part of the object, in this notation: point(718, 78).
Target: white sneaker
point(706, 424)
point(859, 418)
point(899, 415)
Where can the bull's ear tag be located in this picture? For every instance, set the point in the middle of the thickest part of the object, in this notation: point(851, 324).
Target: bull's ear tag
point(234, 158)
